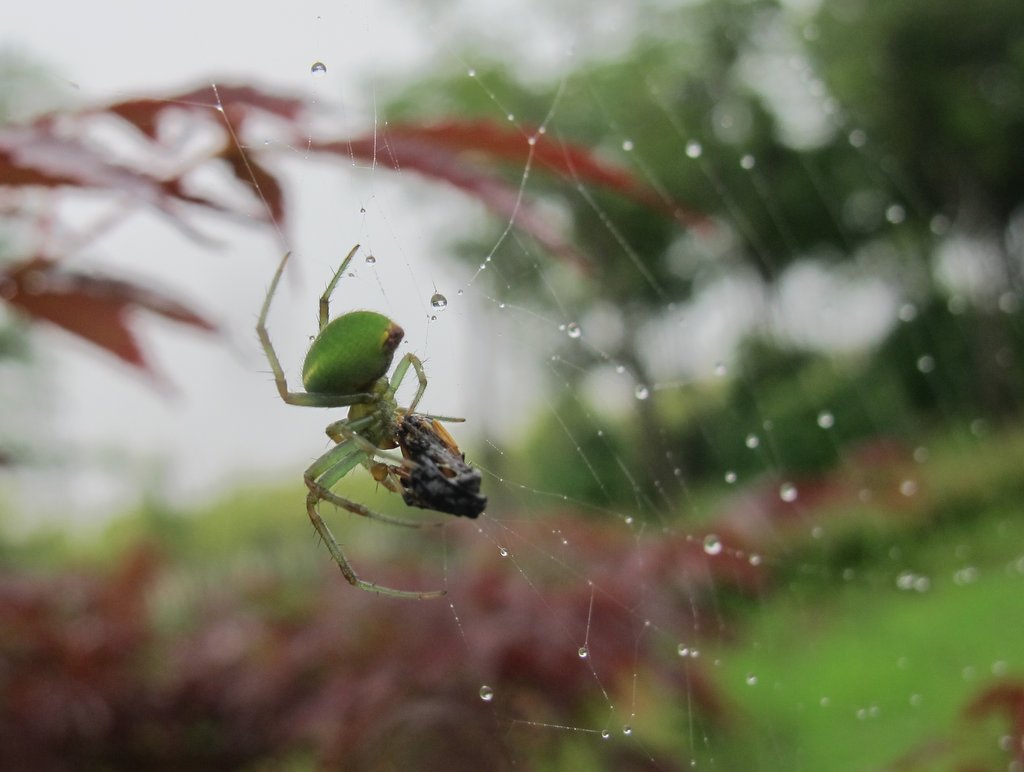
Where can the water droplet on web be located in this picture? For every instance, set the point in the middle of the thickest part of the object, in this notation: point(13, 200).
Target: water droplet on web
point(826, 420)
point(752, 441)
point(712, 544)
point(895, 214)
point(730, 477)
point(787, 492)
point(531, 140)
point(605, 734)
point(573, 330)
point(694, 149)
point(748, 162)
point(371, 259)
point(486, 693)
point(907, 312)
point(627, 730)
point(683, 650)
point(858, 138)
point(583, 652)
point(627, 145)
point(751, 679)
point(503, 552)
point(641, 391)
point(318, 69)
point(926, 363)
point(471, 72)
point(459, 293)
point(438, 301)
point(908, 488)
point(755, 560)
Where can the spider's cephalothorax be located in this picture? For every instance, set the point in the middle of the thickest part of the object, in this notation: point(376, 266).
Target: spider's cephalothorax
point(347, 365)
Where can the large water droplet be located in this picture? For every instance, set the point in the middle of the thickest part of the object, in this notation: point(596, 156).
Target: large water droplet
point(438, 301)
point(318, 69)
point(486, 693)
point(712, 544)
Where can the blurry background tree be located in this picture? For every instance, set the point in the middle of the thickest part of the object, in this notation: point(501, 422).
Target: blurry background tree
point(899, 164)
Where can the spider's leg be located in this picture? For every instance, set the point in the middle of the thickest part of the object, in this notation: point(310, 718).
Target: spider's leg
point(324, 473)
point(398, 376)
point(325, 299)
point(295, 397)
point(346, 568)
point(336, 464)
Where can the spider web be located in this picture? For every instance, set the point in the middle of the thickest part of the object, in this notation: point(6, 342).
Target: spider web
point(594, 627)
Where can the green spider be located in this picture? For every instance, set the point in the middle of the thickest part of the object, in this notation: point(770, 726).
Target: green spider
point(346, 366)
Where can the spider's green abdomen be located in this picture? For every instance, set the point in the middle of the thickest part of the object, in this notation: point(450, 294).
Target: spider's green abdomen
point(351, 353)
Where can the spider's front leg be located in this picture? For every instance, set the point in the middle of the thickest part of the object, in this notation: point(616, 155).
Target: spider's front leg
point(324, 473)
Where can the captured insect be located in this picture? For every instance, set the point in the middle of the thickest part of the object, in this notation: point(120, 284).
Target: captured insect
point(346, 366)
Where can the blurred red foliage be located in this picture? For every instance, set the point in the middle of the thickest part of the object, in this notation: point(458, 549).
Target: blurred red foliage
point(349, 680)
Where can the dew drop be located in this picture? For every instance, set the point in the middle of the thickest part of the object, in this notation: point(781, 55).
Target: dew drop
point(752, 441)
point(641, 391)
point(908, 488)
point(584, 652)
point(486, 693)
point(755, 559)
point(573, 330)
point(627, 730)
point(694, 149)
point(751, 679)
point(503, 552)
point(683, 650)
point(471, 72)
point(459, 293)
point(907, 312)
point(895, 214)
point(858, 138)
point(605, 734)
point(319, 69)
point(627, 145)
point(730, 477)
point(371, 259)
point(748, 162)
point(712, 544)
point(926, 363)
point(438, 301)
point(787, 492)
point(826, 420)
